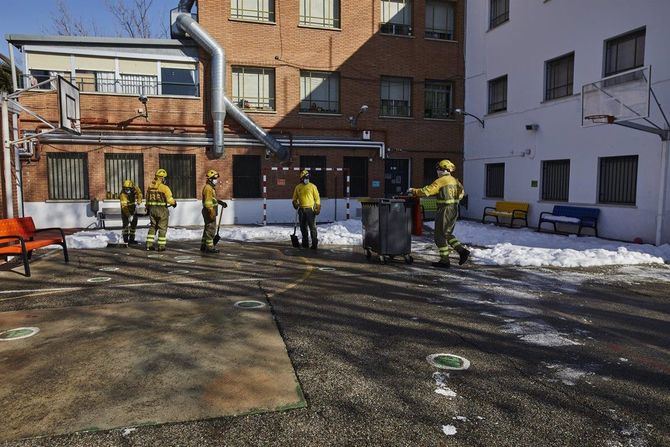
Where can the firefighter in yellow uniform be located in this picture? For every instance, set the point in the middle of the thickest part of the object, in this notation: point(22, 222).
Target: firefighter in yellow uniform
point(130, 197)
point(308, 203)
point(159, 197)
point(449, 193)
point(209, 211)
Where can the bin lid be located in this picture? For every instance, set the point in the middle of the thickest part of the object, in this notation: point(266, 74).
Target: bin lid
point(378, 201)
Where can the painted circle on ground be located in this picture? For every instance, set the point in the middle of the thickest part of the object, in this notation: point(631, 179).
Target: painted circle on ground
point(109, 269)
point(186, 261)
point(178, 258)
point(448, 361)
point(99, 279)
point(179, 272)
point(18, 333)
point(155, 256)
point(232, 255)
point(327, 269)
point(249, 304)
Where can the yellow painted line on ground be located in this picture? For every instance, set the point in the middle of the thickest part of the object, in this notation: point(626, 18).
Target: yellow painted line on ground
point(305, 275)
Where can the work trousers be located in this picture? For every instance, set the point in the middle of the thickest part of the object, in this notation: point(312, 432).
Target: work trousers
point(445, 221)
point(307, 221)
point(159, 217)
point(209, 231)
point(129, 221)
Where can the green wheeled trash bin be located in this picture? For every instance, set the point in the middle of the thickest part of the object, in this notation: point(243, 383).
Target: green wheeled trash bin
point(387, 229)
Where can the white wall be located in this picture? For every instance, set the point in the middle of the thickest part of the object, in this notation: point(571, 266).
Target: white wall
point(187, 213)
point(536, 32)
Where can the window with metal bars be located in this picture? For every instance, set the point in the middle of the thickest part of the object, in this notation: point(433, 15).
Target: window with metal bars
point(498, 94)
point(254, 88)
point(67, 174)
point(437, 99)
point(559, 77)
point(396, 17)
point(440, 19)
point(316, 177)
point(257, 10)
point(358, 176)
point(617, 180)
point(181, 174)
point(396, 96)
point(120, 167)
point(624, 52)
point(246, 176)
point(499, 12)
point(495, 180)
point(556, 180)
point(323, 13)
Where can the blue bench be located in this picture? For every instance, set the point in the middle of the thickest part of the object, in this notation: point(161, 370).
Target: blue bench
point(561, 214)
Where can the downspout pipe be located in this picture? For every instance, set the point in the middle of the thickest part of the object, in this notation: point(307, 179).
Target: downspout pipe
point(219, 102)
point(218, 69)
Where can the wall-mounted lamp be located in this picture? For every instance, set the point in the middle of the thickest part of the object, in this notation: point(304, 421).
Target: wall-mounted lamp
point(532, 127)
point(353, 119)
point(144, 100)
point(463, 112)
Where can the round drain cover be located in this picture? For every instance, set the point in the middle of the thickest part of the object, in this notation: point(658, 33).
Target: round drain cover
point(178, 258)
point(18, 333)
point(99, 279)
point(249, 304)
point(448, 361)
point(153, 256)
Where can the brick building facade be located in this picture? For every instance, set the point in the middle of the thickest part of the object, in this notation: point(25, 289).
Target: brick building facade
point(408, 72)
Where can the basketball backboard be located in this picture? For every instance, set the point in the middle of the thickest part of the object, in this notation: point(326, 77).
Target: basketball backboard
point(617, 98)
point(68, 106)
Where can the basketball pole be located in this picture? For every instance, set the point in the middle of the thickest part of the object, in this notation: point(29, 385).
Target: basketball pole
point(665, 147)
point(6, 158)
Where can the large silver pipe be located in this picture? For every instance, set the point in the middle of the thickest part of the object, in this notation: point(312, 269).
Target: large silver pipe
point(258, 132)
point(218, 71)
point(219, 103)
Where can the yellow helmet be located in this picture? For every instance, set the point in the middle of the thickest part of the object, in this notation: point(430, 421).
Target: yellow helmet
point(128, 184)
point(446, 165)
point(304, 173)
point(161, 173)
point(212, 174)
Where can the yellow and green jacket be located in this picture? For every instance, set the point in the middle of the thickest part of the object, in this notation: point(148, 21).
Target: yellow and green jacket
point(307, 196)
point(448, 189)
point(209, 197)
point(129, 201)
point(159, 194)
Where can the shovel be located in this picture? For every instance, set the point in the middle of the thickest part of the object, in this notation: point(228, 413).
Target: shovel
point(217, 238)
point(294, 238)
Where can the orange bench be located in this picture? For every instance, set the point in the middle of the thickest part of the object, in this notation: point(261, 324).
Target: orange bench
point(18, 237)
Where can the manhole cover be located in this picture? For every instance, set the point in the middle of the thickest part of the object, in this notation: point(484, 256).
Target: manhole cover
point(99, 279)
point(448, 361)
point(18, 333)
point(186, 261)
point(109, 269)
point(249, 304)
point(326, 269)
point(179, 272)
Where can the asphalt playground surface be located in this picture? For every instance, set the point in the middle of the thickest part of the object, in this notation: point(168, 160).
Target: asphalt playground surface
point(353, 335)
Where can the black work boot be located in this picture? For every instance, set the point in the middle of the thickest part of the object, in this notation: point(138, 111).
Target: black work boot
point(125, 238)
point(203, 247)
point(305, 243)
point(443, 263)
point(150, 248)
point(160, 248)
point(132, 241)
point(463, 254)
point(315, 242)
point(211, 250)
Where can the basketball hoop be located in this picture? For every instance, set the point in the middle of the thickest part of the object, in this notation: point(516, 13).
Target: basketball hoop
point(600, 119)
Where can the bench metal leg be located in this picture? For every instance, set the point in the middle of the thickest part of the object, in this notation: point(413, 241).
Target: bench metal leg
point(26, 263)
point(65, 253)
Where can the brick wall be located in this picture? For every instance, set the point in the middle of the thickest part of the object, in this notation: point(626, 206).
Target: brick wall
point(358, 52)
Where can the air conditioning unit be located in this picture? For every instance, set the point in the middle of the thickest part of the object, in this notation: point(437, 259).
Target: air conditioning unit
point(27, 148)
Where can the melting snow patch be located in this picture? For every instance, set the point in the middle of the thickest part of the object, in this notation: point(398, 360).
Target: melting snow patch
point(537, 333)
point(460, 418)
point(441, 384)
point(127, 431)
point(449, 430)
point(566, 374)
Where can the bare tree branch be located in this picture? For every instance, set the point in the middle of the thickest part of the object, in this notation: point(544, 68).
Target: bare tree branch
point(63, 24)
point(133, 17)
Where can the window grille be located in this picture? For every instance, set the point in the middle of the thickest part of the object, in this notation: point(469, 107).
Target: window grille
point(246, 176)
point(254, 88)
point(618, 180)
point(67, 174)
point(120, 167)
point(559, 77)
point(258, 10)
point(498, 94)
point(625, 52)
point(499, 12)
point(437, 99)
point(440, 19)
point(556, 180)
point(396, 96)
point(181, 174)
point(324, 13)
point(319, 92)
point(495, 180)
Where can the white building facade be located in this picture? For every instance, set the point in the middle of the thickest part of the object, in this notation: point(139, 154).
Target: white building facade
point(526, 61)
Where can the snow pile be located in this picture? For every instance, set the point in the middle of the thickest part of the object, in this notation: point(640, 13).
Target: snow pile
point(537, 333)
point(337, 233)
point(526, 247)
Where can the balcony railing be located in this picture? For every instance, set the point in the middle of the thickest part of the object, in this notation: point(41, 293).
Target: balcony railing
point(132, 85)
point(395, 107)
point(395, 28)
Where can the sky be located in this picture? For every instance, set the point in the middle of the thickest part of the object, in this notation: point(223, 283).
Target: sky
point(35, 16)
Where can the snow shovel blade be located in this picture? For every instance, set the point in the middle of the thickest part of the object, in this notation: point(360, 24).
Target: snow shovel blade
point(217, 238)
point(295, 241)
